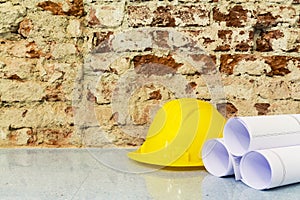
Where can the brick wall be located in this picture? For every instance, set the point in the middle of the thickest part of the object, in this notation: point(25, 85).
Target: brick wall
point(44, 46)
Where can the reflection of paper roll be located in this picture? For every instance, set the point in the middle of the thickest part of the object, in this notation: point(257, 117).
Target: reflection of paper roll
point(216, 158)
point(243, 134)
point(264, 169)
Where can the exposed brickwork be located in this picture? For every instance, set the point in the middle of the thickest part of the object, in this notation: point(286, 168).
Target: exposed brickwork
point(254, 45)
point(278, 64)
point(147, 64)
point(264, 42)
point(75, 8)
point(262, 108)
point(227, 109)
point(237, 16)
point(168, 15)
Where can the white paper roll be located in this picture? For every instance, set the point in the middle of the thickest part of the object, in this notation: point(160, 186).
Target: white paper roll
point(269, 168)
point(236, 167)
point(243, 134)
point(216, 158)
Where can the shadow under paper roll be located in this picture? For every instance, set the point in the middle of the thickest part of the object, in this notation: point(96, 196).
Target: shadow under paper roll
point(214, 188)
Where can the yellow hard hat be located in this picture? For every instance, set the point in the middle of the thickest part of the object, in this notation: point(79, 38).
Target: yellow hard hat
point(178, 132)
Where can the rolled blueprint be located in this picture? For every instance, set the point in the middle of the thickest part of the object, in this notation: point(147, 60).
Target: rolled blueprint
point(243, 134)
point(269, 168)
point(216, 158)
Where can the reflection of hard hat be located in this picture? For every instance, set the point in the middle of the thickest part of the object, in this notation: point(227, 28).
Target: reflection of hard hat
point(178, 132)
point(174, 185)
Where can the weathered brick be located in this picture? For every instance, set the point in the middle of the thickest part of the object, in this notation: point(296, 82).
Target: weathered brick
point(50, 115)
point(168, 16)
point(269, 65)
point(63, 50)
point(25, 27)
point(99, 37)
point(74, 28)
point(228, 61)
point(162, 16)
point(287, 40)
point(235, 16)
point(239, 88)
point(191, 16)
point(147, 64)
point(59, 79)
point(10, 16)
point(295, 90)
point(268, 88)
point(243, 106)
point(139, 16)
point(15, 90)
point(23, 68)
point(262, 108)
point(55, 29)
point(105, 88)
point(20, 136)
point(50, 136)
point(72, 8)
point(219, 39)
point(284, 107)
point(278, 65)
point(294, 68)
point(227, 109)
point(22, 49)
point(108, 15)
point(270, 15)
point(264, 42)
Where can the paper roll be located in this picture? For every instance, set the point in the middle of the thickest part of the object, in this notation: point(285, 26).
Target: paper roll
point(243, 134)
point(236, 167)
point(269, 168)
point(216, 158)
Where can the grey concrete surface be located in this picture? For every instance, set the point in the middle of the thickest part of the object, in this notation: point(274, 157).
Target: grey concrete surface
point(109, 174)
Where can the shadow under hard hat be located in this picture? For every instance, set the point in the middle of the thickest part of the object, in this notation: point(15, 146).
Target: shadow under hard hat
point(178, 132)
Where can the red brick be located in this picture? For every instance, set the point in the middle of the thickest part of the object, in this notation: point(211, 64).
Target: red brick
point(237, 16)
point(278, 64)
point(263, 43)
point(76, 8)
point(228, 61)
point(262, 108)
point(148, 64)
point(168, 16)
point(269, 15)
point(163, 17)
point(25, 27)
point(227, 109)
point(139, 16)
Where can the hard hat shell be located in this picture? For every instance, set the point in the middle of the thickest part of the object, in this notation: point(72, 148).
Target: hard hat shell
point(178, 132)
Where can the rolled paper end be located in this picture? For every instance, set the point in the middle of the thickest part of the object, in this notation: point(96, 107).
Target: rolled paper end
point(256, 171)
point(216, 158)
point(236, 137)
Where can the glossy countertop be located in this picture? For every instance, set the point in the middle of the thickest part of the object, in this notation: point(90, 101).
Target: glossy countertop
point(109, 174)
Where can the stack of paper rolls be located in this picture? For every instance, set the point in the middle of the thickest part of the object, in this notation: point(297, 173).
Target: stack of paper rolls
point(262, 151)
